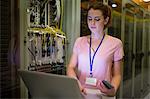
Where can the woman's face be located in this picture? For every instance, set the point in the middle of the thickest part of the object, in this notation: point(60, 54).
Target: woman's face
point(95, 21)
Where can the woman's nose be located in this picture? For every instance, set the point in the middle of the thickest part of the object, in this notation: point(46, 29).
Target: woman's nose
point(93, 22)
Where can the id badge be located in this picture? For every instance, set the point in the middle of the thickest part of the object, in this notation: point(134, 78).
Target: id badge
point(91, 81)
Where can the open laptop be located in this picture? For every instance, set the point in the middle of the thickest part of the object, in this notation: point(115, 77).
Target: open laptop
point(50, 86)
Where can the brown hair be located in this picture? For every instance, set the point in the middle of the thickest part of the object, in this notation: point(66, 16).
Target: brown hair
point(106, 10)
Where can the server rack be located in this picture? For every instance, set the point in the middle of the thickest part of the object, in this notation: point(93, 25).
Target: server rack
point(42, 41)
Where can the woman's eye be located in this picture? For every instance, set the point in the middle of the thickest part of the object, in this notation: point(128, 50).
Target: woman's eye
point(97, 19)
point(90, 19)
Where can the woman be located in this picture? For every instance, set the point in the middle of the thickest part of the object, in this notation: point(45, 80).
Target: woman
point(98, 56)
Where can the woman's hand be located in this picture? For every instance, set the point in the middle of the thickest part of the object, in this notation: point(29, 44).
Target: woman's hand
point(105, 90)
point(82, 89)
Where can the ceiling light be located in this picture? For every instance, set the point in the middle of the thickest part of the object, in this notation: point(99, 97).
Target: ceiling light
point(114, 5)
point(146, 0)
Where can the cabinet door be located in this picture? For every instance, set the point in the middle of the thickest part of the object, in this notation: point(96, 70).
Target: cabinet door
point(139, 53)
point(146, 57)
point(115, 28)
point(129, 55)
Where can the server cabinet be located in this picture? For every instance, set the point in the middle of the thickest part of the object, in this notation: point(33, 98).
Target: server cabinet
point(129, 52)
point(145, 49)
point(138, 54)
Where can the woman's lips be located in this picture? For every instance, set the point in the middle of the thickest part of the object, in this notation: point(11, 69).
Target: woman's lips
point(93, 27)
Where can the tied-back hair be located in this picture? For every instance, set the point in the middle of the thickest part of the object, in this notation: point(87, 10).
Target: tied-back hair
point(105, 9)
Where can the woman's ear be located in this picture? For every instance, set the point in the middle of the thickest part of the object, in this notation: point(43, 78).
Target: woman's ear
point(106, 20)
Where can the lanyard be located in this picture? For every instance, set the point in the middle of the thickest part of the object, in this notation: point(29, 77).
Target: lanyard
point(92, 60)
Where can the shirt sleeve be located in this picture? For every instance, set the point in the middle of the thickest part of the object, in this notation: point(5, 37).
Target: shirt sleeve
point(119, 53)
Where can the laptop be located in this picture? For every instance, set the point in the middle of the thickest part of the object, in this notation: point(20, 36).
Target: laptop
point(50, 86)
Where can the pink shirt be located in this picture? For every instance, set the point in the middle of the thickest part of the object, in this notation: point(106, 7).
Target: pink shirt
point(110, 50)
